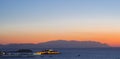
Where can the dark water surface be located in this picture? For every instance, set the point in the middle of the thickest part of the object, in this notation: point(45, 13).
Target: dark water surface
point(78, 53)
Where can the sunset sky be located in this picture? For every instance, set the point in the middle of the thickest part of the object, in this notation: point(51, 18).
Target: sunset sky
point(34, 21)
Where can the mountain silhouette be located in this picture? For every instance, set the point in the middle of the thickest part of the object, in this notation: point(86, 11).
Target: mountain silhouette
point(59, 44)
point(72, 44)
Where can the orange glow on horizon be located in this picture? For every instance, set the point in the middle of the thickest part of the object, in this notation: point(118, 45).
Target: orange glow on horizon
point(113, 39)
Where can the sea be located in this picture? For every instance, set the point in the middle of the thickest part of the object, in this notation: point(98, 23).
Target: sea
point(76, 53)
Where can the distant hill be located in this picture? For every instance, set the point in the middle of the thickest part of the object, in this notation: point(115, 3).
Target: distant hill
point(59, 44)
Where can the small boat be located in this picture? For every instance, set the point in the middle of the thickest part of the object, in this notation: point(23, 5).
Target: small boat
point(2, 53)
point(45, 52)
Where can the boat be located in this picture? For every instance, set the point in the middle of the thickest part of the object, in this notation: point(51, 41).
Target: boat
point(46, 52)
point(18, 53)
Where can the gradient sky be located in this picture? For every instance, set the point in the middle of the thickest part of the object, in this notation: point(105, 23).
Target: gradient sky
point(34, 21)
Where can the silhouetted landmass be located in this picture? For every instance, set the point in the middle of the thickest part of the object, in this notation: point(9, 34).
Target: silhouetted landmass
point(59, 44)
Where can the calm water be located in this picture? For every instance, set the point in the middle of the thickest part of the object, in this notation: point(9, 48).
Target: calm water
point(91, 53)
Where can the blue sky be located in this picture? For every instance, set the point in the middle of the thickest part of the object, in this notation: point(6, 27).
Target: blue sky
point(45, 20)
point(57, 14)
